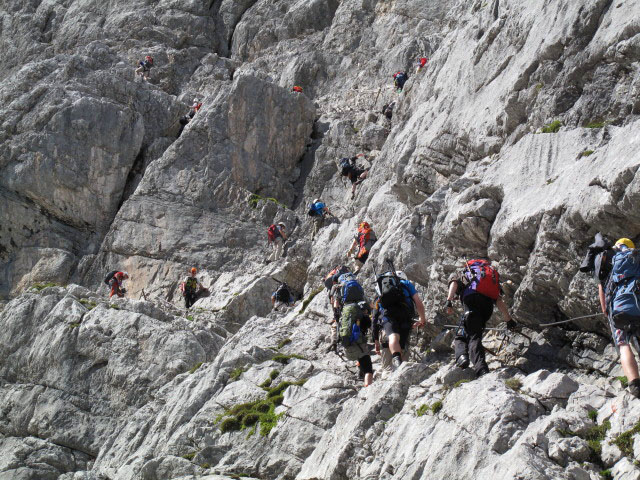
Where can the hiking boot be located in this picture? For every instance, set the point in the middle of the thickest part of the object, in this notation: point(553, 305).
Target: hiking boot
point(481, 372)
point(395, 363)
point(634, 387)
point(462, 361)
point(333, 348)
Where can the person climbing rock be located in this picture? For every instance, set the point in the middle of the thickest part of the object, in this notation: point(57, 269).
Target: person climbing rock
point(422, 61)
point(478, 288)
point(365, 239)
point(355, 321)
point(144, 70)
point(276, 236)
point(399, 79)
point(618, 273)
point(317, 211)
point(354, 172)
point(398, 303)
point(282, 296)
point(192, 113)
point(190, 288)
point(387, 110)
point(331, 283)
point(115, 280)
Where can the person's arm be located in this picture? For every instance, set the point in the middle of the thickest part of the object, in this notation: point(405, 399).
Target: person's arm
point(284, 235)
point(601, 297)
point(420, 308)
point(453, 289)
point(353, 245)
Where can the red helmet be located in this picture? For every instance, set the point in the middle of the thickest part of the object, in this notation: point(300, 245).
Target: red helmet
point(149, 58)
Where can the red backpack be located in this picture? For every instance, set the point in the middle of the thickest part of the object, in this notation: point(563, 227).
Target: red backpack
point(483, 279)
point(273, 232)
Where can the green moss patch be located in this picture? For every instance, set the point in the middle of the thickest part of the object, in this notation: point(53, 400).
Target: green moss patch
point(624, 441)
point(114, 306)
point(254, 199)
point(284, 343)
point(90, 305)
point(594, 437)
point(606, 474)
point(235, 374)
point(422, 410)
point(307, 300)
point(552, 127)
point(436, 406)
point(189, 456)
point(513, 383)
point(272, 376)
point(74, 325)
point(623, 380)
point(284, 359)
point(41, 286)
point(460, 382)
point(586, 153)
point(195, 367)
point(260, 412)
point(595, 124)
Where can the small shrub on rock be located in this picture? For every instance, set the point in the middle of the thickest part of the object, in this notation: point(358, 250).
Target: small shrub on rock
point(436, 406)
point(513, 383)
point(230, 424)
point(422, 410)
point(552, 127)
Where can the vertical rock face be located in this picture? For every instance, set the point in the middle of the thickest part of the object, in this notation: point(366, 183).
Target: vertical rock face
point(518, 141)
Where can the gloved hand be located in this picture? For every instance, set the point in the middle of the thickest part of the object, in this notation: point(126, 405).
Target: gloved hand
point(512, 325)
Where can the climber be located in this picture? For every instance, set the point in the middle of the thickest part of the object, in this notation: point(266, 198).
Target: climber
point(478, 288)
point(115, 280)
point(397, 305)
point(422, 61)
point(318, 211)
point(355, 173)
point(399, 79)
point(331, 280)
point(282, 296)
point(192, 113)
point(355, 321)
point(296, 89)
point(190, 288)
point(618, 273)
point(276, 236)
point(144, 70)
point(387, 110)
point(364, 240)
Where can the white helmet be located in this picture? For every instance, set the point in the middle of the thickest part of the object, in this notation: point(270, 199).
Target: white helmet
point(399, 273)
point(195, 100)
point(317, 200)
point(281, 224)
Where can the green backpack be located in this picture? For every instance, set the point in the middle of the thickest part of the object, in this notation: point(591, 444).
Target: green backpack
point(351, 316)
point(191, 285)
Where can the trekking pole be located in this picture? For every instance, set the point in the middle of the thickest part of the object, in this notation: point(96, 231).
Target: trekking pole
point(570, 320)
point(489, 329)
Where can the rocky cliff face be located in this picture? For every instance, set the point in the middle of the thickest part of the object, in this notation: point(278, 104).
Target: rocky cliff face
point(94, 176)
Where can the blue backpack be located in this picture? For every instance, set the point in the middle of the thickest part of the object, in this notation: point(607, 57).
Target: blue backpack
point(622, 289)
point(316, 209)
point(352, 291)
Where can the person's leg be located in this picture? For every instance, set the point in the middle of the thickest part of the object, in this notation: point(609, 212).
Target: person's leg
point(366, 368)
point(393, 334)
point(628, 361)
point(461, 345)
point(279, 247)
point(480, 309)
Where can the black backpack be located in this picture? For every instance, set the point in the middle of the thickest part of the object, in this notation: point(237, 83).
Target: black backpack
point(345, 167)
point(283, 294)
point(109, 276)
point(392, 297)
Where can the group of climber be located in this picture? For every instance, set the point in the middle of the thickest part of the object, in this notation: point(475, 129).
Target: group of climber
point(616, 269)
point(390, 318)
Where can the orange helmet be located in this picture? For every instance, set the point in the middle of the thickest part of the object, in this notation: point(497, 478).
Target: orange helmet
point(194, 270)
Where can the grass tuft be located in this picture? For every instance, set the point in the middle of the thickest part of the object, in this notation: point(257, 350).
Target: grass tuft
point(460, 382)
point(593, 415)
point(513, 383)
point(552, 127)
point(606, 474)
point(195, 367)
point(436, 406)
point(190, 318)
point(90, 305)
point(624, 441)
point(586, 153)
point(284, 359)
point(284, 343)
point(254, 199)
point(623, 380)
point(539, 86)
point(114, 306)
point(595, 124)
point(41, 286)
point(422, 410)
point(307, 300)
point(272, 376)
point(235, 374)
point(74, 325)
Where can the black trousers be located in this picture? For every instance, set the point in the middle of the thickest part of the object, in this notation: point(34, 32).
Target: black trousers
point(477, 311)
point(189, 299)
